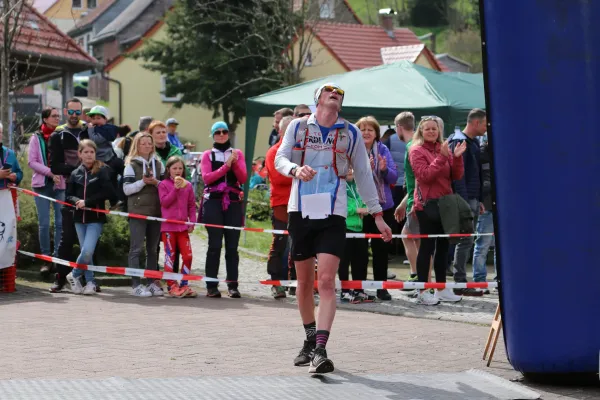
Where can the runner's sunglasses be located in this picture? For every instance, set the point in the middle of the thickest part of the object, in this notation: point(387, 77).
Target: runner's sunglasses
point(333, 89)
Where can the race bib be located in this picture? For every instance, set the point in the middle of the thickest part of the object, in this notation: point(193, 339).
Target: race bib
point(316, 206)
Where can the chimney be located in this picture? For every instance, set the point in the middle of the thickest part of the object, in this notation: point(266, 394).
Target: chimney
point(386, 20)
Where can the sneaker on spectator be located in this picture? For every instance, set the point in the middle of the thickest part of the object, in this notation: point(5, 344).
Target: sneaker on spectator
point(89, 289)
point(447, 295)
point(174, 290)
point(427, 298)
point(350, 297)
point(366, 298)
point(406, 262)
point(191, 292)
point(234, 293)
point(213, 292)
point(141, 291)
point(383, 294)
point(472, 292)
point(278, 292)
point(184, 290)
point(58, 284)
point(391, 275)
point(75, 283)
point(292, 291)
point(156, 289)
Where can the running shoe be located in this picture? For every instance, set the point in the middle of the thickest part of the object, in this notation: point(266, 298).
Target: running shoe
point(305, 354)
point(447, 295)
point(292, 291)
point(234, 293)
point(320, 364)
point(427, 298)
point(391, 275)
point(213, 292)
point(175, 290)
point(190, 292)
point(184, 291)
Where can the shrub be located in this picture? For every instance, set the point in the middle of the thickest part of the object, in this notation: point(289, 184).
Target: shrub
point(259, 208)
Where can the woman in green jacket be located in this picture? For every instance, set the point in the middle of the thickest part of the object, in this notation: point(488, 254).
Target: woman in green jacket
point(357, 250)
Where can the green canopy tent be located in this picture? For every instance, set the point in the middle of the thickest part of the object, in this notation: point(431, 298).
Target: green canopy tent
point(382, 92)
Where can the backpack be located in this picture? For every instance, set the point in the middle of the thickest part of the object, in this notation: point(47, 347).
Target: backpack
point(340, 148)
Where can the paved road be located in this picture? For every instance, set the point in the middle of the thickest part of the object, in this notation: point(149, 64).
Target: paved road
point(115, 335)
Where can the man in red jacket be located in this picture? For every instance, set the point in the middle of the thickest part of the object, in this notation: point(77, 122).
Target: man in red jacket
point(280, 195)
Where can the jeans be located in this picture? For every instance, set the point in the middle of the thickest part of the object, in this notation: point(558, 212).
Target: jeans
point(88, 235)
point(43, 213)
point(485, 224)
point(464, 246)
point(141, 229)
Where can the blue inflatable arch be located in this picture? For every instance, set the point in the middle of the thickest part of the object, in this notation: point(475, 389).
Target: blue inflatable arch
point(542, 74)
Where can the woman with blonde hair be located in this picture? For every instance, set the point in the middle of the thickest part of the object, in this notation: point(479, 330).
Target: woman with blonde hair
point(384, 175)
point(89, 187)
point(143, 173)
point(435, 167)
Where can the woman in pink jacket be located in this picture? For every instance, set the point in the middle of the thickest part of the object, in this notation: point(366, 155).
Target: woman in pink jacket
point(46, 183)
point(435, 167)
point(223, 172)
point(177, 202)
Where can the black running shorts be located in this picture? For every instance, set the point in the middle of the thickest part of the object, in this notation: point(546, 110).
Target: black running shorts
point(311, 237)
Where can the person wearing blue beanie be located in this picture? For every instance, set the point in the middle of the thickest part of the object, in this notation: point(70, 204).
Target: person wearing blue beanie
point(218, 125)
point(223, 172)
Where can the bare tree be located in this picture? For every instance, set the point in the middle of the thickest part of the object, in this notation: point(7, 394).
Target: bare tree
point(15, 71)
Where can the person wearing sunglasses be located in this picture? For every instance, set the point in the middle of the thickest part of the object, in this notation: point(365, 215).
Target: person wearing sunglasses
point(224, 172)
point(46, 183)
point(64, 159)
point(301, 110)
point(317, 152)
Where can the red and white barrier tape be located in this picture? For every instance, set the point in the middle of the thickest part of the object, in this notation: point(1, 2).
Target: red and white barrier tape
point(396, 285)
point(143, 273)
point(241, 228)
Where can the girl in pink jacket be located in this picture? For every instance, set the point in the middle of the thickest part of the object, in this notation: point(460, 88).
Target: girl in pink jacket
point(177, 202)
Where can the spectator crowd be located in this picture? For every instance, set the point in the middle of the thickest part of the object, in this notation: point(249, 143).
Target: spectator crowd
point(88, 162)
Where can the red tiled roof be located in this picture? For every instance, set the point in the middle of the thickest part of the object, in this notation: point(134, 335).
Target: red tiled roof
point(40, 36)
point(358, 46)
point(94, 14)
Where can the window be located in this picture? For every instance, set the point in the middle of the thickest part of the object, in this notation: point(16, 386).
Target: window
point(91, 4)
point(76, 3)
point(163, 88)
point(327, 9)
point(309, 59)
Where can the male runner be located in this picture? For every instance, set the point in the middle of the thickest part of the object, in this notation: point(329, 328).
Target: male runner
point(317, 152)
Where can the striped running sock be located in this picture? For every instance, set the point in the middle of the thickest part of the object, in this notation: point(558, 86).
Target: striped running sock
point(311, 331)
point(322, 337)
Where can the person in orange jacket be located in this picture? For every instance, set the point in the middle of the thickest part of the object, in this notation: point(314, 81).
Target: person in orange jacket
point(280, 194)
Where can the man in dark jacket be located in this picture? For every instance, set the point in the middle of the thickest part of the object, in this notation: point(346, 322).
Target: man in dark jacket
point(469, 188)
point(485, 223)
point(64, 159)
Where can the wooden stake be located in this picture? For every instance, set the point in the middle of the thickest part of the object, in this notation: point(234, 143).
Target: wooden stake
point(493, 336)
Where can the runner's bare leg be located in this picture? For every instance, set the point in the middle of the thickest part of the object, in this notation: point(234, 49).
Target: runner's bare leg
point(305, 272)
point(326, 271)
